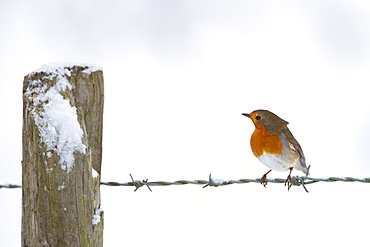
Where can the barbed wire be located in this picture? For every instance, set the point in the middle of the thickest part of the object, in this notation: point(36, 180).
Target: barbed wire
point(214, 182)
point(296, 181)
point(10, 186)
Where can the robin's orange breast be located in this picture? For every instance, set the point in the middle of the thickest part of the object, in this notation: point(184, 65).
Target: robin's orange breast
point(263, 141)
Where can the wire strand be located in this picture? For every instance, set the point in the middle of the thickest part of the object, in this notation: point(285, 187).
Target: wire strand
point(296, 180)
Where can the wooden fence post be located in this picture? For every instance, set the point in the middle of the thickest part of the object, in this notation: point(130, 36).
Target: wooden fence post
point(62, 151)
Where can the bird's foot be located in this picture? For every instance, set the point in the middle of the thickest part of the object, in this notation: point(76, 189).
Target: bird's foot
point(289, 182)
point(264, 179)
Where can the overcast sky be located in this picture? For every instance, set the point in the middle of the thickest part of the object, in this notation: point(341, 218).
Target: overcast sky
point(178, 75)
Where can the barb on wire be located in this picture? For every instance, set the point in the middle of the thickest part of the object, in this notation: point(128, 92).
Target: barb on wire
point(300, 180)
point(138, 183)
point(215, 182)
point(211, 182)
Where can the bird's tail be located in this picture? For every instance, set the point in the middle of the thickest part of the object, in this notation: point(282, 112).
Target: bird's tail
point(301, 165)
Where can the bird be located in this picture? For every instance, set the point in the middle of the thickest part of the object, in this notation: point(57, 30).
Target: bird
point(275, 146)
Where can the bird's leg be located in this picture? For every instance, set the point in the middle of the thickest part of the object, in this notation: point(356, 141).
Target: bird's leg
point(289, 180)
point(264, 180)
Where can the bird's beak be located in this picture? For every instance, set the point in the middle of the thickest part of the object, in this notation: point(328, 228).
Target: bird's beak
point(246, 114)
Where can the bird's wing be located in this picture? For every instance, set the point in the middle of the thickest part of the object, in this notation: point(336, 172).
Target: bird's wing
point(294, 143)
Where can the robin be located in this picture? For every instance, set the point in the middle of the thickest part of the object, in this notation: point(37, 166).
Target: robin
point(275, 146)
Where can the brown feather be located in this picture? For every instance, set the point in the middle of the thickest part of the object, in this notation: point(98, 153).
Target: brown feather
point(290, 138)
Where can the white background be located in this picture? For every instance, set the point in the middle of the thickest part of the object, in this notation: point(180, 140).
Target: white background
point(178, 75)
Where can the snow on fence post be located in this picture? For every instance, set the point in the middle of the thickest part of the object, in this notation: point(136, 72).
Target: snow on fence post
point(62, 151)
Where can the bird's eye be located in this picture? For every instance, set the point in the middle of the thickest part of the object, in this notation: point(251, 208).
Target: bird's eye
point(258, 118)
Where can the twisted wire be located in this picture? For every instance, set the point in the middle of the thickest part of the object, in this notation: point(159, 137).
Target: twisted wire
point(308, 180)
point(296, 180)
point(10, 186)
